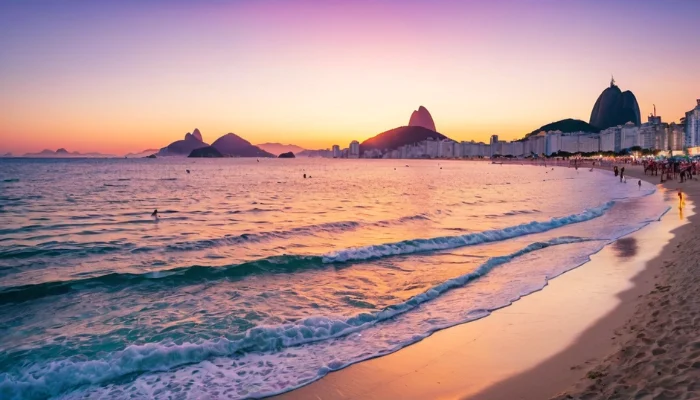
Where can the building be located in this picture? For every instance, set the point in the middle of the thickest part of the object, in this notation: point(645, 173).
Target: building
point(675, 136)
point(629, 136)
point(431, 148)
point(493, 143)
point(336, 151)
point(692, 127)
point(607, 138)
point(354, 149)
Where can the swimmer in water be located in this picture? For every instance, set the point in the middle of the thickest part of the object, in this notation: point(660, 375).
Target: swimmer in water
point(155, 214)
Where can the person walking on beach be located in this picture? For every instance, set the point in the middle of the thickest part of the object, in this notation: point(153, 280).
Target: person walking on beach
point(640, 184)
point(615, 170)
point(681, 200)
point(622, 173)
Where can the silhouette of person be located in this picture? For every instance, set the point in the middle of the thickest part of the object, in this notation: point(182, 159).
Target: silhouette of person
point(640, 184)
point(155, 214)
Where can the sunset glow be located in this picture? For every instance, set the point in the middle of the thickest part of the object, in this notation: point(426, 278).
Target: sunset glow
point(127, 76)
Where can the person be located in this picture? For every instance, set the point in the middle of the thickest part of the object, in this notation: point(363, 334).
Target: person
point(640, 184)
point(615, 170)
point(304, 176)
point(155, 214)
point(681, 200)
point(622, 173)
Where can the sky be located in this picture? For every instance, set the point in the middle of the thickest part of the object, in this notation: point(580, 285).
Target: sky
point(124, 76)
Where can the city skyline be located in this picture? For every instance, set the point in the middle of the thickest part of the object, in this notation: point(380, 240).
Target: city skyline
point(124, 77)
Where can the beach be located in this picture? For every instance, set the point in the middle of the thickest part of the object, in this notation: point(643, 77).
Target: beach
point(619, 326)
point(658, 353)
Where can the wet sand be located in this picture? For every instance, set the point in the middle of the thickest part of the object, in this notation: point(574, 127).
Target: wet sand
point(552, 341)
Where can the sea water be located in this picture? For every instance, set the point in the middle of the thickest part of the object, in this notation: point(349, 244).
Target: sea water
point(256, 280)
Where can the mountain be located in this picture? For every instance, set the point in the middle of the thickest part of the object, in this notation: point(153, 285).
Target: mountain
point(206, 152)
point(615, 107)
point(197, 135)
point(566, 126)
point(184, 147)
point(421, 117)
point(323, 153)
point(235, 146)
point(397, 137)
point(7, 154)
point(142, 154)
point(63, 153)
point(278, 148)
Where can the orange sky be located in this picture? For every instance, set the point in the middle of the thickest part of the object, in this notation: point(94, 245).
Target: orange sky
point(123, 77)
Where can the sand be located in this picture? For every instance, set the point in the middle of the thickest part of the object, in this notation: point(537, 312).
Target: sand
point(617, 327)
point(658, 355)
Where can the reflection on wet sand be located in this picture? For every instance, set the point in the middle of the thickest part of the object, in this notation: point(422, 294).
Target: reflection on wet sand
point(626, 247)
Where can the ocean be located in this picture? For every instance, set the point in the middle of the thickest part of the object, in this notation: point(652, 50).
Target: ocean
point(255, 280)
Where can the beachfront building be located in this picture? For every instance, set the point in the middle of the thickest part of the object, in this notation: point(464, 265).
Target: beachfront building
point(629, 136)
point(692, 127)
point(446, 148)
point(458, 150)
point(606, 138)
point(675, 136)
point(336, 151)
point(493, 145)
point(354, 150)
point(431, 148)
point(518, 149)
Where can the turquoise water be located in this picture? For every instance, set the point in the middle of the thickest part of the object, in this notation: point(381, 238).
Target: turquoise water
point(255, 280)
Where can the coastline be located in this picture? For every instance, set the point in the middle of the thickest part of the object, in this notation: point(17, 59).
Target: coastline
point(513, 353)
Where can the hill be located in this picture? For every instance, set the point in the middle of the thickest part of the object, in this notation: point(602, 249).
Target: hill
point(325, 153)
point(141, 154)
point(206, 152)
point(185, 146)
point(615, 107)
point(234, 146)
point(278, 148)
point(63, 153)
point(566, 125)
point(397, 137)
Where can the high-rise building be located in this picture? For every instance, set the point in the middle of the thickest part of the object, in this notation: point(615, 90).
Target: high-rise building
point(692, 127)
point(354, 150)
point(336, 151)
point(674, 135)
point(494, 145)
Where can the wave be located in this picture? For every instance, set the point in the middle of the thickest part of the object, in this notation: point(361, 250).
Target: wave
point(310, 230)
point(452, 242)
point(175, 276)
point(56, 377)
point(286, 263)
point(257, 237)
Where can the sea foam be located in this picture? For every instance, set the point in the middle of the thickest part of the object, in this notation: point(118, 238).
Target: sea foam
point(57, 377)
point(452, 242)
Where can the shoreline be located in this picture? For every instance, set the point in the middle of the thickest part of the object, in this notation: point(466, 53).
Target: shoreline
point(466, 361)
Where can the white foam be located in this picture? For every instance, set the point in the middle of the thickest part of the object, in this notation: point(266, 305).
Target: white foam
point(452, 242)
point(56, 377)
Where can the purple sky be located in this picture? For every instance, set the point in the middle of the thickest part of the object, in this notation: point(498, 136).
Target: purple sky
point(129, 75)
